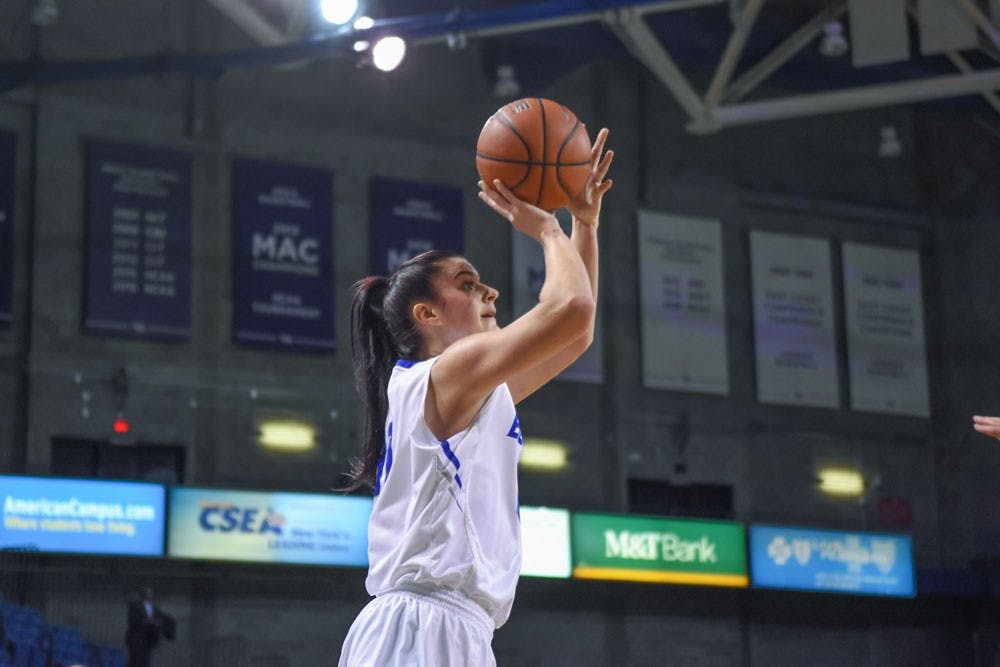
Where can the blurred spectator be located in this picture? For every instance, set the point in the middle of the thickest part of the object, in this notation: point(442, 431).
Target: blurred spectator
point(146, 624)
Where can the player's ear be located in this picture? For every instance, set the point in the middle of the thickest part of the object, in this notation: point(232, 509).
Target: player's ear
point(424, 314)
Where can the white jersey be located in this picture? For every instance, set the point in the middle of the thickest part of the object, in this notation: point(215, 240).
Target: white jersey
point(445, 515)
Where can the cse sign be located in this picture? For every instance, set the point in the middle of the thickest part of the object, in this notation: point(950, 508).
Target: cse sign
point(270, 527)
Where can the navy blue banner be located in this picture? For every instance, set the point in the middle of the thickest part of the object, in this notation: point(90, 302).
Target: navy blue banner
point(138, 241)
point(8, 176)
point(283, 256)
point(410, 218)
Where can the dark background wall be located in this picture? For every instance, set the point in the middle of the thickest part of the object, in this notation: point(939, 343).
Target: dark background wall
point(818, 176)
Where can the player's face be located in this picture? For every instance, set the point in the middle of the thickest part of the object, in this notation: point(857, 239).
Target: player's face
point(467, 304)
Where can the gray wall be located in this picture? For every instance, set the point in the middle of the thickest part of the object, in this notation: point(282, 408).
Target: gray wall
point(817, 176)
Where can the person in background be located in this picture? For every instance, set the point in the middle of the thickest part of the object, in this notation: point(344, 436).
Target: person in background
point(146, 624)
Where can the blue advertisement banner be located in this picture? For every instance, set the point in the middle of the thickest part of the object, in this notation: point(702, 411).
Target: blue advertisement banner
point(268, 527)
point(81, 516)
point(411, 218)
point(8, 175)
point(840, 562)
point(283, 256)
point(138, 241)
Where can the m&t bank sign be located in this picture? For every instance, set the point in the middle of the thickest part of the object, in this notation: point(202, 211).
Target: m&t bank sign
point(629, 548)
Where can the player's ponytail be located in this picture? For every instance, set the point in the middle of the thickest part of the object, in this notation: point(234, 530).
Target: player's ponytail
point(382, 332)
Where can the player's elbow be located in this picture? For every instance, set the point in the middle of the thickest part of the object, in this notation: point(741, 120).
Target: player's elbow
point(578, 316)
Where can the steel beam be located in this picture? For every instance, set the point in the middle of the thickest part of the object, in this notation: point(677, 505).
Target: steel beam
point(731, 55)
point(852, 99)
point(632, 30)
point(784, 52)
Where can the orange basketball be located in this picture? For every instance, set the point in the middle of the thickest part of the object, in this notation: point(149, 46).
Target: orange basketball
point(537, 148)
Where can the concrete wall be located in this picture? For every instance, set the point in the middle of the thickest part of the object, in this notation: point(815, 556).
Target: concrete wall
point(817, 176)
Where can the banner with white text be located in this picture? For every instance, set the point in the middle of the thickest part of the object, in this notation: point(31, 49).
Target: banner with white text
point(8, 177)
point(683, 304)
point(793, 320)
point(409, 218)
point(138, 241)
point(283, 256)
point(887, 359)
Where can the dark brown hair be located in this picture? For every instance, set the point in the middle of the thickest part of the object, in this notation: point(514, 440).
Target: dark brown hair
point(382, 332)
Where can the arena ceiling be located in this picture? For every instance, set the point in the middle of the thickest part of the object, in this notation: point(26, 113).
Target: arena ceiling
point(725, 62)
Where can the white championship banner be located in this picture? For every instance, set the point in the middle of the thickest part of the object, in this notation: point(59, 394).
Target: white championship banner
point(793, 319)
point(683, 306)
point(528, 274)
point(885, 330)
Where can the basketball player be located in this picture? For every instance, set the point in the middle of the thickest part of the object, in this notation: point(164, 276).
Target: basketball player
point(987, 426)
point(440, 380)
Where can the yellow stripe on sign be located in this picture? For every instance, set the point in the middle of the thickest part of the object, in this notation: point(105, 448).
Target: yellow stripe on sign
point(653, 576)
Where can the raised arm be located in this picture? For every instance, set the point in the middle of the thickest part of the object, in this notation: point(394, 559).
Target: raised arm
point(586, 211)
point(471, 368)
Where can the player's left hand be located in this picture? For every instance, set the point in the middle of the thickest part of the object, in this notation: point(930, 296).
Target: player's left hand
point(586, 206)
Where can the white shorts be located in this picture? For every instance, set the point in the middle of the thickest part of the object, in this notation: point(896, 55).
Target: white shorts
point(406, 628)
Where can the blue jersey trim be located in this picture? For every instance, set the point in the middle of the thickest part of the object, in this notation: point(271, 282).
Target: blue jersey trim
point(450, 454)
point(406, 363)
point(459, 480)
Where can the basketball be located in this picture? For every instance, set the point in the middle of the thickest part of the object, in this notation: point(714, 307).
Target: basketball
point(538, 149)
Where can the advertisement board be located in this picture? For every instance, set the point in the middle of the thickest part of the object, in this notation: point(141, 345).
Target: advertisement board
point(820, 560)
point(545, 542)
point(652, 549)
point(268, 527)
point(81, 516)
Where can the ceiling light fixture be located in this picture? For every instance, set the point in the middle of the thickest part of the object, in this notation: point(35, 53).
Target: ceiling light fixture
point(507, 85)
point(833, 44)
point(889, 145)
point(339, 12)
point(388, 52)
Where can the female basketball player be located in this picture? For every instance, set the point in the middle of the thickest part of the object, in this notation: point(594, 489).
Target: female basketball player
point(440, 380)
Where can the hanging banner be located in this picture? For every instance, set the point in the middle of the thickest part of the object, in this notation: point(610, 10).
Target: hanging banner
point(528, 274)
point(649, 549)
point(268, 527)
point(138, 241)
point(283, 256)
point(887, 360)
point(793, 320)
point(411, 218)
point(81, 516)
point(821, 560)
point(8, 177)
point(683, 304)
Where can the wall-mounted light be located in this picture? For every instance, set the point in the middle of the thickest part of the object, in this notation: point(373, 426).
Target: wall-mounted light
point(540, 455)
point(287, 435)
point(841, 482)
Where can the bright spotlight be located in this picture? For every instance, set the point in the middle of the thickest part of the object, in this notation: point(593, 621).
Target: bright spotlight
point(361, 45)
point(339, 12)
point(364, 23)
point(388, 52)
